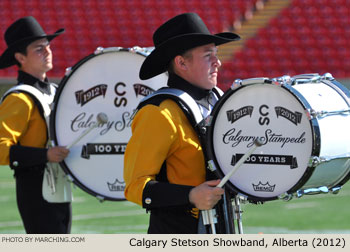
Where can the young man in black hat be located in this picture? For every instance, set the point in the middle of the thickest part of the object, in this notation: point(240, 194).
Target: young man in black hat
point(23, 129)
point(164, 165)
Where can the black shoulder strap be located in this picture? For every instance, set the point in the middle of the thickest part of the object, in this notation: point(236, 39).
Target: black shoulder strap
point(184, 100)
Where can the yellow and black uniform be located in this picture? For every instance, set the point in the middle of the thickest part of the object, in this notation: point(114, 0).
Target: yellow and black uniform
point(164, 161)
point(23, 138)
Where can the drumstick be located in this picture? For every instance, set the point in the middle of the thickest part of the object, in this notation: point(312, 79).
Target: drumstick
point(100, 118)
point(257, 143)
point(209, 214)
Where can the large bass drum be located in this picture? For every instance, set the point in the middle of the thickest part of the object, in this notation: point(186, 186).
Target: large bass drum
point(106, 81)
point(303, 122)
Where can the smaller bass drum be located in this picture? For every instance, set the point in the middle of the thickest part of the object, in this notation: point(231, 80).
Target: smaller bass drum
point(104, 82)
point(304, 123)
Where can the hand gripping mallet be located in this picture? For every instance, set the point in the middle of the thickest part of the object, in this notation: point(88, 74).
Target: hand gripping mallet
point(209, 214)
point(100, 118)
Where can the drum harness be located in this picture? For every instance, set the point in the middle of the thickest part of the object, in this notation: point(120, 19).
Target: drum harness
point(56, 187)
point(191, 109)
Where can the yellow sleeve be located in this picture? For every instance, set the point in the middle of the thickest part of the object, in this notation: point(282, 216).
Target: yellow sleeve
point(153, 134)
point(15, 114)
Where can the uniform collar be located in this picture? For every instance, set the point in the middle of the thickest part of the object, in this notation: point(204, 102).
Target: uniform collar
point(197, 93)
point(25, 78)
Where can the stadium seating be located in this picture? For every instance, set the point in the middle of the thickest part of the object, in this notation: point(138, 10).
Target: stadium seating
point(308, 36)
point(109, 23)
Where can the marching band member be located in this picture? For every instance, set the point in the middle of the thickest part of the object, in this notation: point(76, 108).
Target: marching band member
point(23, 130)
point(164, 165)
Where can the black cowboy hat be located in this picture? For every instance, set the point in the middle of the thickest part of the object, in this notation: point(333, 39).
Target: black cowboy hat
point(177, 35)
point(22, 32)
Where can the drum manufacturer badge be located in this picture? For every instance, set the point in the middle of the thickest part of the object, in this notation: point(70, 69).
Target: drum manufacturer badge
point(260, 187)
point(117, 186)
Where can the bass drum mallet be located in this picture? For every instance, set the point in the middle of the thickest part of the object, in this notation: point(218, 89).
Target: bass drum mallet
point(101, 118)
point(209, 215)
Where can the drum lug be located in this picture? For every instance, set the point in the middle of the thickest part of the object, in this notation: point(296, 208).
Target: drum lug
point(283, 80)
point(286, 196)
point(237, 83)
point(99, 50)
point(328, 76)
point(336, 189)
point(312, 191)
point(314, 114)
point(314, 161)
point(68, 71)
point(319, 190)
point(318, 114)
point(70, 178)
point(211, 165)
point(135, 49)
point(100, 198)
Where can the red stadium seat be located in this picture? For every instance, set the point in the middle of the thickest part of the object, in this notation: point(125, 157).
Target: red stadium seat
point(309, 35)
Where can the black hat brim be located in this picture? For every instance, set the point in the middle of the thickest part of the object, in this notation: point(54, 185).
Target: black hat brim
point(157, 61)
point(7, 59)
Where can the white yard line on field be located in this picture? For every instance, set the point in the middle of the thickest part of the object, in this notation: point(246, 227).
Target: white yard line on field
point(84, 217)
point(301, 205)
point(6, 185)
point(108, 214)
point(10, 224)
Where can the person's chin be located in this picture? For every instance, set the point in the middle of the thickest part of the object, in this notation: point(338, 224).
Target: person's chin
point(49, 67)
point(213, 82)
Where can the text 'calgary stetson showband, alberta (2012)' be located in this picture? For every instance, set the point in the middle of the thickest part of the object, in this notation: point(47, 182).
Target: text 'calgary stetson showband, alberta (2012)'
point(239, 242)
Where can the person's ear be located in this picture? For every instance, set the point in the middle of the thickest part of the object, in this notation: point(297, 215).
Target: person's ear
point(19, 57)
point(180, 63)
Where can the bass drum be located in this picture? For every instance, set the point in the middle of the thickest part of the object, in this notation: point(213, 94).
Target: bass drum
point(303, 122)
point(104, 82)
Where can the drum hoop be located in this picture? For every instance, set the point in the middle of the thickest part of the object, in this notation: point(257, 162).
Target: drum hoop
point(316, 146)
point(340, 89)
point(62, 84)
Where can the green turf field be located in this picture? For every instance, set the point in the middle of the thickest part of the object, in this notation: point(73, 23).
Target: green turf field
point(309, 214)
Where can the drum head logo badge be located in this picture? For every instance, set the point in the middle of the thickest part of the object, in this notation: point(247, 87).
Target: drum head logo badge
point(289, 115)
point(84, 97)
point(233, 115)
point(143, 90)
point(264, 187)
point(117, 186)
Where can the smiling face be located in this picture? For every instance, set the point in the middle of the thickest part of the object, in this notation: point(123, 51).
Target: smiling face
point(38, 58)
point(199, 66)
